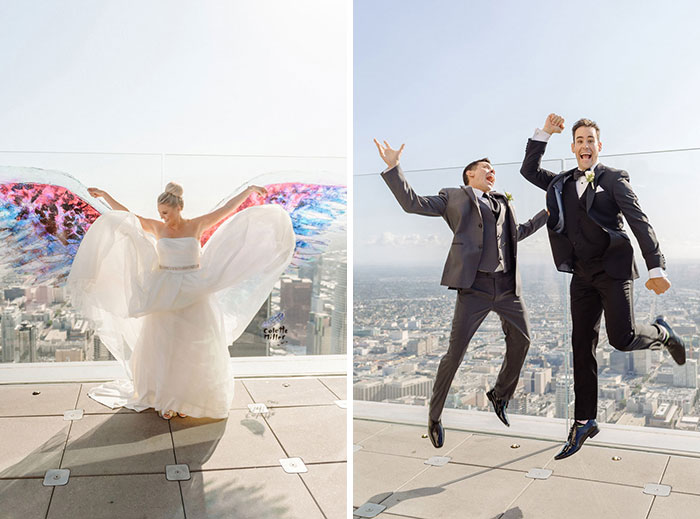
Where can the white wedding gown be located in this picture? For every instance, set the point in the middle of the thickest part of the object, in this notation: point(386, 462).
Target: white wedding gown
point(157, 305)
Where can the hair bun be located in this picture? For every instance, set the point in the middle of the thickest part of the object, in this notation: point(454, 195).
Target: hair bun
point(174, 188)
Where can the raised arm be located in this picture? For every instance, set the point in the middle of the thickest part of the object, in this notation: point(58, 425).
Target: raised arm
point(204, 222)
point(403, 192)
point(532, 168)
point(532, 225)
point(149, 225)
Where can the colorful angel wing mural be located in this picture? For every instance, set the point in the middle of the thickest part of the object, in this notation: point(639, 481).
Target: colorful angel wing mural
point(317, 211)
point(44, 215)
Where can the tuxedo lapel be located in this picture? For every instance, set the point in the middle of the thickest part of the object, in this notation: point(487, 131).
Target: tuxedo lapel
point(469, 192)
point(590, 189)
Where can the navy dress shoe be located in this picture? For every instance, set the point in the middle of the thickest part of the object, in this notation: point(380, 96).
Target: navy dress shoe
point(579, 433)
point(499, 407)
point(436, 433)
point(674, 344)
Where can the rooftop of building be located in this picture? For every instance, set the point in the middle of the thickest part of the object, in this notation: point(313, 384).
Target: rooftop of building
point(118, 458)
point(485, 471)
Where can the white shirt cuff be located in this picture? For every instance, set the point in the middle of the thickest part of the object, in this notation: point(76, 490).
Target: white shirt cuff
point(657, 272)
point(541, 135)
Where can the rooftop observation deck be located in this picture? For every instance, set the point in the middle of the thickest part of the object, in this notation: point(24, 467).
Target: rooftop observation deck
point(117, 459)
point(486, 475)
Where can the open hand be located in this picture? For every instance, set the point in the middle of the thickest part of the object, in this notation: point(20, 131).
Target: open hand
point(389, 156)
point(658, 285)
point(258, 189)
point(553, 124)
point(97, 193)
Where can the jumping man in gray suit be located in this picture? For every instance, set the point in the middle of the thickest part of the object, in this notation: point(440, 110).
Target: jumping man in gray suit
point(481, 266)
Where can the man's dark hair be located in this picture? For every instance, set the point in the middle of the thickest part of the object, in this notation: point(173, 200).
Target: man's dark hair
point(471, 166)
point(587, 123)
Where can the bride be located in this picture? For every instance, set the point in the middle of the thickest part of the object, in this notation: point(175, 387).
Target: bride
point(152, 291)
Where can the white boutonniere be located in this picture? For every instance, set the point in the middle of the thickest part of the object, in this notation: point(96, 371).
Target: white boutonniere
point(590, 177)
point(509, 197)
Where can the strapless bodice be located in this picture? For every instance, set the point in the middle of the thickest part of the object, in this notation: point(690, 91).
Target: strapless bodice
point(178, 254)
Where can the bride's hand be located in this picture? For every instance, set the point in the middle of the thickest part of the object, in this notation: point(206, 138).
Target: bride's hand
point(258, 189)
point(97, 193)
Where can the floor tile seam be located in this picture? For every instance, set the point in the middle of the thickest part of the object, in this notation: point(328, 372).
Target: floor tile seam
point(663, 473)
point(182, 499)
point(374, 434)
point(651, 506)
point(518, 496)
point(329, 389)
point(313, 497)
point(392, 513)
point(63, 452)
point(616, 483)
point(328, 404)
point(419, 473)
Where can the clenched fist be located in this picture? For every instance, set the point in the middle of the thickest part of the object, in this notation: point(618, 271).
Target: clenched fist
point(389, 156)
point(658, 285)
point(553, 124)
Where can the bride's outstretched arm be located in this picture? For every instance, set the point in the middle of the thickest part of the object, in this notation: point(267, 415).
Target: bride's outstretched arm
point(148, 225)
point(208, 220)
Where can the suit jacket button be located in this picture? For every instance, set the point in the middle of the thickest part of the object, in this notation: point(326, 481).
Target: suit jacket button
point(480, 226)
point(479, 246)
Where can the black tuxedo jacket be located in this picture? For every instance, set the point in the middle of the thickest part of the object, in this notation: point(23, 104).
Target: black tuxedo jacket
point(608, 198)
point(460, 209)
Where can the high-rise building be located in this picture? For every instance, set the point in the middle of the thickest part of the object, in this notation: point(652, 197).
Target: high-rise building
point(319, 334)
point(564, 398)
point(26, 334)
point(686, 375)
point(339, 316)
point(295, 303)
point(641, 362)
point(11, 317)
point(100, 350)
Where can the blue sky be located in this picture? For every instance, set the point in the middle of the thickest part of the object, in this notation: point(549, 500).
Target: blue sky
point(456, 81)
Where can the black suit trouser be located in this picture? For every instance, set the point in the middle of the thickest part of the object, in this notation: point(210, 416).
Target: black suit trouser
point(490, 292)
point(593, 292)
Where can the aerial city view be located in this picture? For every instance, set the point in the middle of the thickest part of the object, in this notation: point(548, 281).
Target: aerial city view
point(402, 320)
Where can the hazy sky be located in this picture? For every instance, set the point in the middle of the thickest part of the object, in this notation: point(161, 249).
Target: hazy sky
point(457, 81)
point(156, 76)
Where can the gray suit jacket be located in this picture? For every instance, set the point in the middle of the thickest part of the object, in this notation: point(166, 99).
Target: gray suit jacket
point(459, 207)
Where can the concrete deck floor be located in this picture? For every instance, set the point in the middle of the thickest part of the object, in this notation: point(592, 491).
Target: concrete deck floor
point(486, 478)
point(117, 458)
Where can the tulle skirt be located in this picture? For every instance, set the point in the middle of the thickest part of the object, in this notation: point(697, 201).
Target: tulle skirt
point(170, 328)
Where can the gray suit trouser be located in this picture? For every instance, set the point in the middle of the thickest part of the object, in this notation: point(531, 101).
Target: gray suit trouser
point(490, 292)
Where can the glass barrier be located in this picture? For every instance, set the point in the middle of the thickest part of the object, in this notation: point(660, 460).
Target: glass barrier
point(402, 316)
point(305, 314)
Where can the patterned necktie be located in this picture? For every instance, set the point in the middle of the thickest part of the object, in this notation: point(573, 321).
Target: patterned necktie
point(493, 203)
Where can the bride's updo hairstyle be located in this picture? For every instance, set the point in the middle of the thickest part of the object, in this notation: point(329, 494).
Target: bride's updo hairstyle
point(172, 196)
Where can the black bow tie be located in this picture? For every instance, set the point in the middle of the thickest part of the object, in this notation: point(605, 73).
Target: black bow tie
point(578, 174)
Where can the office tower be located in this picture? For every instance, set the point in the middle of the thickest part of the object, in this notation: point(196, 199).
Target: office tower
point(11, 317)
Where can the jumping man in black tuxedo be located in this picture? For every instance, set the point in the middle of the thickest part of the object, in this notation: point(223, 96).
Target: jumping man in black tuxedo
point(586, 206)
point(481, 265)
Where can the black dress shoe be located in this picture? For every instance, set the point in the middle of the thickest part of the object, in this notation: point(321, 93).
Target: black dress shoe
point(436, 433)
point(499, 407)
point(579, 433)
point(674, 344)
